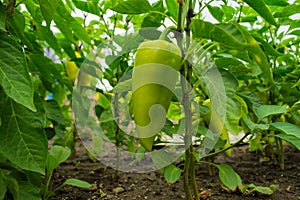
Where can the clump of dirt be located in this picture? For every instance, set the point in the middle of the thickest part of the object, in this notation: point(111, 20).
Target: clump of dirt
point(130, 186)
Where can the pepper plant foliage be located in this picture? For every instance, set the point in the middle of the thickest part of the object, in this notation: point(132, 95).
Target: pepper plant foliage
point(254, 44)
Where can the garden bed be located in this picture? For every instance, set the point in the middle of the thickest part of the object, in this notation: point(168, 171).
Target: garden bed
point(153, 186)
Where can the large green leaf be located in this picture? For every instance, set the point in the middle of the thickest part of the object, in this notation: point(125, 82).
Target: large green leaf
point(290, 132)
point(268, 110)
point(260, 7)
point(48, 9)
point(225, 34)
point(287, 128)
point(22, 139)
point(14, 76)
point(132, 7)
point(294, 141)
point(89, 6)
point(229, 177)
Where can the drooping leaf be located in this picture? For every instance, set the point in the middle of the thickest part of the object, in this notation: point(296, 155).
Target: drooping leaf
point(22, 139)
point(225, 34)
point(132, 7)
point(287, 128)
point(172, 173)
point(229, 177)
point(260, 7)
point(293, 140)
point(14, 76)
point(48, 9)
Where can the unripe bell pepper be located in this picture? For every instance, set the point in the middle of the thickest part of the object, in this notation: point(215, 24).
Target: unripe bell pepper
point(155, 73)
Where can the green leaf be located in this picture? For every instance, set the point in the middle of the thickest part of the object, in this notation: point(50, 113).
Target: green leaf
point(12, 186)
point(258, 55)
point(2, 17)
point(288, 11)
point(276, 2)
point(123, 86)
point(60, 153)
point(22, 139)
point(260, 7)
point(295, 106)
point(293, 140)
point(89, 6)
point(77, 27)
point(287, 128)
point(172, 7)
point(268, 110)
point(53, 112)
point(2, 186)
point(57, 155)
point(14, 76)
point(229, 177)
point(132, 7)
point(48, 9)
point(77, 183)
point(28, 191)
point(172, 173)
point(263, 190)
point(226, 34)
point(216, 12)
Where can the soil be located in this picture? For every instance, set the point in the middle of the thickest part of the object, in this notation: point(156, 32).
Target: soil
point(130, 186)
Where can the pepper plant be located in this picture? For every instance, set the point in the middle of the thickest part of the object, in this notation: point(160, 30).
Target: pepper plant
point(248, 49)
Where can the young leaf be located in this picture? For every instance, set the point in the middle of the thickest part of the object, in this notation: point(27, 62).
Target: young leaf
point(132, 7)
point(14, 76)
point(172, 173)
point(229, 177)
point(60, 153)
point(77, 183)
point(260, 7)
